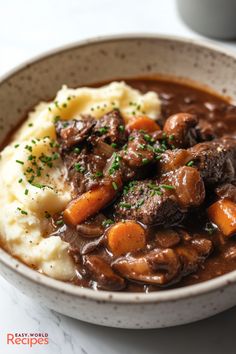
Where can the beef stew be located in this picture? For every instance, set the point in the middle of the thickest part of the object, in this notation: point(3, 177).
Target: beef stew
point(154, 202)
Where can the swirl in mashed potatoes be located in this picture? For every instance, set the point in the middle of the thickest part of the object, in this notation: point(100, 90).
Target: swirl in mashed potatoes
point(32, 175)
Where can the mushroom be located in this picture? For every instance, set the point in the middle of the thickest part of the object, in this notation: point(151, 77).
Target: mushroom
point(102, 273)
point(157, 267)
point(181, 127)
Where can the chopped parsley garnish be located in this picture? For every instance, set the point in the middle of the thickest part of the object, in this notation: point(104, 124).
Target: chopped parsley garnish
point(155, 189)
point(22, 211)
point(55, 156)
point(103, 130)
point(164, 146)
point(164, 135)
point(153, 186)
point(145, 161)
point(107, 222)
point(20, 162)
point(139, 203)
point(167, 186)
point(150, 148)
point(60, 222)
point(31, 179)
point(171, 137)
point(152, 193)
point(77, 150)
point(38, 171)
point(26, 192)
point(30, 124)
point(142, 146)
point(114, 145)
point(38, 185)
point(31, 157)
point(98, 174)
point(114, 185)
point(45, 158)
point(148, 138)
point(79, 168)
point(121, 128)
point(115, 164)
point(56, 119)
point(129, 187)
point(16, 146)
point(210, 228)
point(190, 163)
point(125, 205)
point(159, 150)
point(20, 180)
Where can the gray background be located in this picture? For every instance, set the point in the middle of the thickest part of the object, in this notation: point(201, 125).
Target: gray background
point(29, 27)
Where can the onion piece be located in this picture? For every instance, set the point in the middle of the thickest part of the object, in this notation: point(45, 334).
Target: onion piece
point(103, 149)
point(93, 228)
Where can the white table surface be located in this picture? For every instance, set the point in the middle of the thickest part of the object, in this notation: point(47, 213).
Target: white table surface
point(28, 28)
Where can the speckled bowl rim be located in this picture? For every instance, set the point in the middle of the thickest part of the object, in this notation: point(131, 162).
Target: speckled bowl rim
point(100, 295)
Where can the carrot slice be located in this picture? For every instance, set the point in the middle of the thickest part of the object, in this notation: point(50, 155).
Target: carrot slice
point(88, 204)
point(143, 123)
point(125, 237)
point(223, 214)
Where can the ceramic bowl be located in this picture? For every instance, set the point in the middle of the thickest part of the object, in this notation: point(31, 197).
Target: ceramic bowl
point(108, 59)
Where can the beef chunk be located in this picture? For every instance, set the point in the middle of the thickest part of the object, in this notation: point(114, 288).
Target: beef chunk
point(205, 131)
point(216, 160)
point(166, 238)
point(85, 169)
point(135, 160)
point(74, 132)
point(230, 253)
point(227, 190)
point(193, 253)
point(110, 128)
point(138, 152)
point(116, 166)
point(87, 144)
point(143, 203)
point(162, 202)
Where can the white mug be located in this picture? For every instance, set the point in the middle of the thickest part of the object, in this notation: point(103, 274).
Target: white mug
point(213, 18)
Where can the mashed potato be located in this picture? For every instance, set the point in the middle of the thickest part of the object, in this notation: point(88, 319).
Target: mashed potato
point(33, 185)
